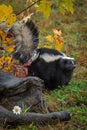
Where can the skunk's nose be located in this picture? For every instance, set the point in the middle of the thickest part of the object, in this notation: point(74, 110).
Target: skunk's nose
point(74, 63)
point(74, 66)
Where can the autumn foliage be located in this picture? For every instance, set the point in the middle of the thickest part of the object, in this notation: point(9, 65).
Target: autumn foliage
point(56, 39)
point(8, 18)
point(7, 15)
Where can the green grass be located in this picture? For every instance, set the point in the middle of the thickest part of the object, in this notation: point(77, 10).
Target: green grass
point(74, 99)
point(73, 94)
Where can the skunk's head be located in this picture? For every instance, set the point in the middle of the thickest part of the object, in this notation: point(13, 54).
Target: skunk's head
point(67, 63)
point(63, 62)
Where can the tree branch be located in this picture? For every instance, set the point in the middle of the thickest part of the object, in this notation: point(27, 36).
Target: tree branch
point(28, 7)
point(26, 118)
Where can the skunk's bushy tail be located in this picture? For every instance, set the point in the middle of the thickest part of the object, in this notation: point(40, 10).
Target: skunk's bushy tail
point(26, 40)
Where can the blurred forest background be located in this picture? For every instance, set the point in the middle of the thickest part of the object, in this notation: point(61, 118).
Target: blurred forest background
point(74, 30)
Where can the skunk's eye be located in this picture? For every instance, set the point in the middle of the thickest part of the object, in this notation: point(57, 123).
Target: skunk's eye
point(65, 61)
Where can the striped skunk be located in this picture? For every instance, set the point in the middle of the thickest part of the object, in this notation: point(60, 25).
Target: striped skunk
point(52, 66)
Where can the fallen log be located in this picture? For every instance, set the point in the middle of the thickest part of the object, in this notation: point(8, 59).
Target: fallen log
point(20, 91)
point(27, 118)
point(28, 92)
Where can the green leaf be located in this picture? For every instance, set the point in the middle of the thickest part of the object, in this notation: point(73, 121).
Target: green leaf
point(66, 5)
point(45, 7)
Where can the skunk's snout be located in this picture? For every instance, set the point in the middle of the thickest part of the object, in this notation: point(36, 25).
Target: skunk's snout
point(70, 64)
point(73, 64)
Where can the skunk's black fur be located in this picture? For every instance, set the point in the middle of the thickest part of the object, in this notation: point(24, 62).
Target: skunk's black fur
point(57, 72)
point(54, 67)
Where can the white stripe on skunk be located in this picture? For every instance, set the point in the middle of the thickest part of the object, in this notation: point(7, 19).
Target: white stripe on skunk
point(51, 57)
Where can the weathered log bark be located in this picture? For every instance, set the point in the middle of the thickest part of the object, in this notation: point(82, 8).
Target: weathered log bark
point(20, 91)
point(12, 119)
point(28, 92)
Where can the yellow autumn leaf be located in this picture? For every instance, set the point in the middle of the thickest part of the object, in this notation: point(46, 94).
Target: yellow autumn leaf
point(50, 38)
point(72, 10)
point(5, 11)
point(5, 63)
point(1, 60)
point(6, 14)
point(10, 49)
point(58, 45)
point(45, 7)
point(66, 6)
point(60, 39)
point(8, 59)
point(4, 38)
point(56, 32)
point(2, 35)
point(11, 19)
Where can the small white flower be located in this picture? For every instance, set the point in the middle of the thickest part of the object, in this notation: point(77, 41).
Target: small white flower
point(17, 110)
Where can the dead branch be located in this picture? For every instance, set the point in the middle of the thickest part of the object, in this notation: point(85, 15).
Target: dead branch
point(28, 7)
point(26, 118)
